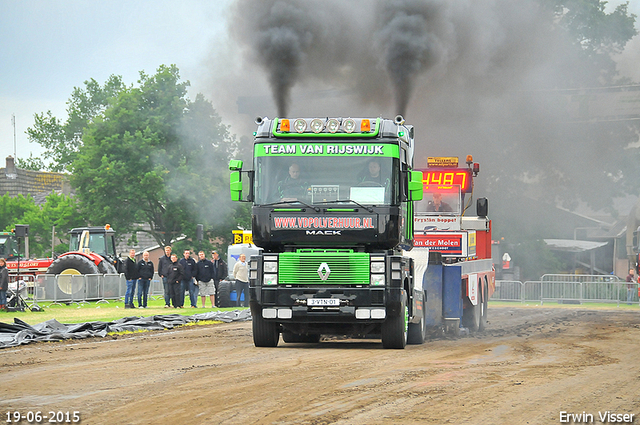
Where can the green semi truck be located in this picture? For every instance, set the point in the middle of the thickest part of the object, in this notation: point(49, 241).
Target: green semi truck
point(333, 213)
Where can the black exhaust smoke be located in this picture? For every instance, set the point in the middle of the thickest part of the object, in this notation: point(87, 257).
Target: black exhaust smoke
point(280, 34)
point(410, 43)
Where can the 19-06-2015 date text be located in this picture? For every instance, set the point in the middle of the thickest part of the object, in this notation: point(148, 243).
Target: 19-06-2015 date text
point(43, 417)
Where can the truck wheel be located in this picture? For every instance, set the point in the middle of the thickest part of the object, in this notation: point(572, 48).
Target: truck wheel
point(67, 266)
point(471, 316)
point(485, 304)
point(224, 293)
point(394, 329)
point(265, 333)
point(290, 337)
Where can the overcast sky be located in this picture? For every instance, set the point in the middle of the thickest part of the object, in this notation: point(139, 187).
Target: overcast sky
point(47, 47)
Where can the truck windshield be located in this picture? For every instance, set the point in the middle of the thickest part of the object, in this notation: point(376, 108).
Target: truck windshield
point(319, 179)
point(443, 201)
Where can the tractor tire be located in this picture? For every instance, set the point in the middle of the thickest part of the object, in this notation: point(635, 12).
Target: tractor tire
point(394, 329)
point(224, 293)
point(265, 333)
point(67, 266)
point(106, 267)
point(290, 337)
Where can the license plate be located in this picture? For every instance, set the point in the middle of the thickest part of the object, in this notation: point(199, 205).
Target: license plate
point(323, 302)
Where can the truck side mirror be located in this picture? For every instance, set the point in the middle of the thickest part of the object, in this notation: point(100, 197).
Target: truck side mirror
point(415, 185)
point(482, 207)
point(236, 186)
point(235, 181)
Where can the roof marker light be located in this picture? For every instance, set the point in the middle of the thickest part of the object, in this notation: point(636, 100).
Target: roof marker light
point(365, 125)
point(285, 126)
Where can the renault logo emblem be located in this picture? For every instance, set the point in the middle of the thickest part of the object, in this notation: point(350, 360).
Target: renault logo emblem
point(324, 271)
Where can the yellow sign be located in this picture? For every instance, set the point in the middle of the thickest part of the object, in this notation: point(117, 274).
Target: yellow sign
point(442, 161)
point(242, 236)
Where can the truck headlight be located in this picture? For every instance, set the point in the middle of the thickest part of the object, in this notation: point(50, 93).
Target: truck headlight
point(377, 267)
point(377, 280)
point(270, 267)
point(270, 279)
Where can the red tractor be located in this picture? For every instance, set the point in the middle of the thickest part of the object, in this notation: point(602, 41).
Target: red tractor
point(92, 250)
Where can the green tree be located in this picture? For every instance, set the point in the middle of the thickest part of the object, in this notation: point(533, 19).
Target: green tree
point(59, 211)
point(12, 209)
point(153, 156)
point(62, 140)
point(32, 163)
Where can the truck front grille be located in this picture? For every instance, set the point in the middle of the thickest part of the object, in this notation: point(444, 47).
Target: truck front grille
point(339, 268)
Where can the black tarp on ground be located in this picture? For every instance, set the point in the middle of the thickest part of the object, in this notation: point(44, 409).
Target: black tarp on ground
point(20, 333)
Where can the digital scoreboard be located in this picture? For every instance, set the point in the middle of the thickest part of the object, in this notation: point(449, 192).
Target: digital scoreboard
point(436, 179)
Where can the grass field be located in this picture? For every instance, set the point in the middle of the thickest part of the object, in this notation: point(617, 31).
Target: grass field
point(100, 312)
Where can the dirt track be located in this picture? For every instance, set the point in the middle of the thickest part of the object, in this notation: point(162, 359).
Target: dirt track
point(528, 366)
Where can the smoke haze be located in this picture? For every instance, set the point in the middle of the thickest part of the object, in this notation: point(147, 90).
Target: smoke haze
point(474, 76)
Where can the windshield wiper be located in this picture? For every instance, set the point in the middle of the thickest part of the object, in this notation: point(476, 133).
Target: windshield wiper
point(349, 200)
point(316, 209)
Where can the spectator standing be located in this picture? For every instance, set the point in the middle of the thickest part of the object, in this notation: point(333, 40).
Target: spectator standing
point(131, 276)
point(241, 275)
point(188, 283)
point(4, 283)
point(204, 276)
point(175, 275)
point(631, 279)
point(219, 271)
point(145, 274)
point(163, 270)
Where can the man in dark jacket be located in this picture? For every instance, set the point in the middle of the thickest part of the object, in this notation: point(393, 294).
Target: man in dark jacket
point(131, 276)
point(4, 283)
point(189, 265)
point(175, 275)
point(163, 271)
point(204, 276)
point(145, 274)
point(219, 271)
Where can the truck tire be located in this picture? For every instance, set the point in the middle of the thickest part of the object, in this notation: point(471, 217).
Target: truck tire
point(265, 333)
point(471, 316)
point(72, 264)
point(290, 337)
point(224, 293)
point(394, 329)
point(485, 304)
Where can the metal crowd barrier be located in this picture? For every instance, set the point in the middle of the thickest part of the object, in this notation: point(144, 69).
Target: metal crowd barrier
point(568, 289)
point(78, 289)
